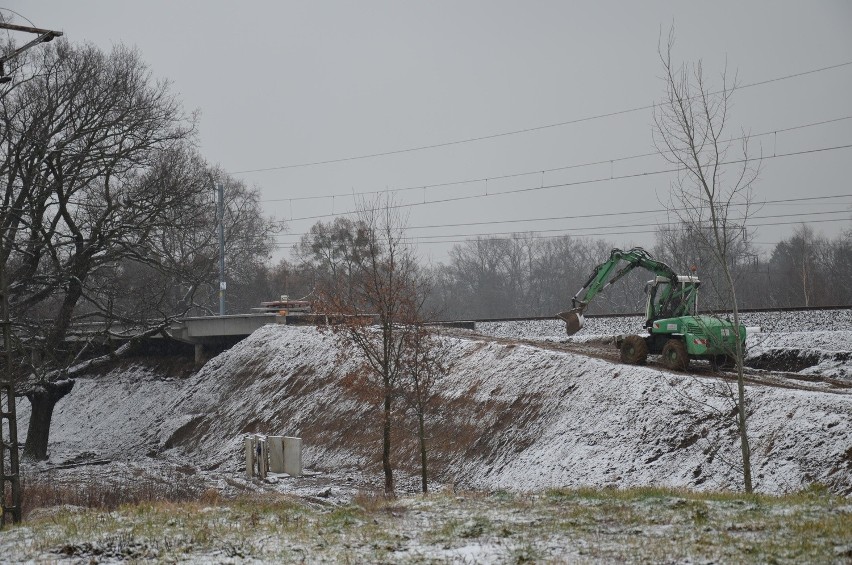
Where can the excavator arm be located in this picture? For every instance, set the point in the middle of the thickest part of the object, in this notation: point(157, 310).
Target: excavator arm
point(605, 275)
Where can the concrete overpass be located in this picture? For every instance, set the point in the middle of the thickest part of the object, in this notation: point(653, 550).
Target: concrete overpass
point(208, 333)
point(214, 334)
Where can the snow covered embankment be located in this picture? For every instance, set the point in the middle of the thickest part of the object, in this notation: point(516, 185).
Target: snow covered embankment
point(512, 417)
point(595, 423)
point(817, 342)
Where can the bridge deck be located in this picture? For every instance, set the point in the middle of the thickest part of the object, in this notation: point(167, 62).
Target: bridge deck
point(203, 329)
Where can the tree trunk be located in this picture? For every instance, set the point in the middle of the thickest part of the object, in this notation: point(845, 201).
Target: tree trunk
point(805, 287)
point(421, 432)
point(744, 447)
point(386, 445)
point(42, 400)
point(741, 408)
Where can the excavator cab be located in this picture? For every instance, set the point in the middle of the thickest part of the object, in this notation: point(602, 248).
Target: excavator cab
point(669, 298)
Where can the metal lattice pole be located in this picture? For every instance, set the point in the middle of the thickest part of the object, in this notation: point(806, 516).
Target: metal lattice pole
point(221, 214)
point(10, 476)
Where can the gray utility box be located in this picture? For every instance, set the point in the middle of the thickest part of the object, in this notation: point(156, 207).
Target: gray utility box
point(285, 455)
point(273, 454)
point(257, 456)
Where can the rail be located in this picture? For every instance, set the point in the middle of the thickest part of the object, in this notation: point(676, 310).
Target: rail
point(638, 314)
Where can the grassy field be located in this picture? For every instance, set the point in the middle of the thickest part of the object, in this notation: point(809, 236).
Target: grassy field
point(577, 526)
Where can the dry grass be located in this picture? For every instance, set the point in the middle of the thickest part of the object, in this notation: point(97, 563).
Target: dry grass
point(42, 491)
point(583, 525)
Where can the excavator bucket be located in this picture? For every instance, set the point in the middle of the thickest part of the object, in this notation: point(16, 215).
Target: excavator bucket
point(573, 320)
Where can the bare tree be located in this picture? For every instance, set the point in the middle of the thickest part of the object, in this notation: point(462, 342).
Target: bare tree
point(712, 191)
point(523, 275)
point(78, 137)
point(334, 250)
point(478, 270)
point(295, 280)
point(841, 269)
point(378, 313)
point(680, 246)
point(425, 365)
point(804, 270)
point(102, 220)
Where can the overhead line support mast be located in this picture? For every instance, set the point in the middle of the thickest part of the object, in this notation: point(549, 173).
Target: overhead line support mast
point(10, 469)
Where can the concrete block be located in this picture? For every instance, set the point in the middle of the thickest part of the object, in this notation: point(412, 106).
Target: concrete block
point(275, 445)
point(200, 354)
point(262, 463)
point(293, 456)
point(257, 464)
point(249, 447)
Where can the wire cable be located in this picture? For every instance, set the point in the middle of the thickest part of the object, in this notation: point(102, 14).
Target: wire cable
point(525, 130)
point(19, 15)
point(645, 225)
point(598, 234)
point(795, 201)
point(535, 172)
point(659, 224)
point(570, 184)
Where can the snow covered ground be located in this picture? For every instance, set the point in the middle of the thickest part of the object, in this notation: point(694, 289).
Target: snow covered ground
point(769, 322)
point(816, 342)
point(508, 417)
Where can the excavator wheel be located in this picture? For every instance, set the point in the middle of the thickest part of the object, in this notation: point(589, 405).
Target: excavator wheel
point(675, 356)
point(634, 350)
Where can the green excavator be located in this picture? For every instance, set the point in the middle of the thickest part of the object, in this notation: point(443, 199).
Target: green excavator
point(675, 329)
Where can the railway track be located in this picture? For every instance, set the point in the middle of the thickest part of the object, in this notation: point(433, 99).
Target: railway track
point(606, 350)
point(641, 314)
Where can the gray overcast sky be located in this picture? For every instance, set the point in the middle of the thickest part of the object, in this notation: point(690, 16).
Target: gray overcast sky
point(284, 83)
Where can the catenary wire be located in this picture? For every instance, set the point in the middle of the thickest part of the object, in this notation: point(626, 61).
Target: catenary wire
point(569, 184)
point(597, 234)
point(795, 201)
point(616, 226)
point(526, 130)
point(19, 15)
point(667, 223)
point(537, 171)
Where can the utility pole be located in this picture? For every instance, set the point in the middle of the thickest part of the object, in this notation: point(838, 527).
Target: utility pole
point(221, 213)
point(44, 35)
point(10, 468)
point(10, 475)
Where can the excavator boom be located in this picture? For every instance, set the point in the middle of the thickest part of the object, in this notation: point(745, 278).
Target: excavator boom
point(605, 275)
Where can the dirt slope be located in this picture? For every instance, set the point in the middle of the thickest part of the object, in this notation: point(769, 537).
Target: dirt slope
point(510, 417)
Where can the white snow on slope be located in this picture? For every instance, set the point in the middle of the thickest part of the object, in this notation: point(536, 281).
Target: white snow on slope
point(825, 353)
point(603, 424)
point(821, 340)
point(771, 322)
point(113, 416)
point(518, 418)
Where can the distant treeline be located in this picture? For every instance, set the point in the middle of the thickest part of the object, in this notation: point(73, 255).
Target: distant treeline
point(525, 275)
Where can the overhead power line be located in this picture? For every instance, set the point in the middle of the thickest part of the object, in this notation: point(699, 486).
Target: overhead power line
point(610, 161)
point(592, 234)
point(651, 211)
point(795, 201)
point(524, 130)
point(644, 225)
point(573, 183)
point(608, 226)
point(589, 234)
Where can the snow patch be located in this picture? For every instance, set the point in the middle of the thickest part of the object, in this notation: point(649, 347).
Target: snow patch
point(509, 417)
